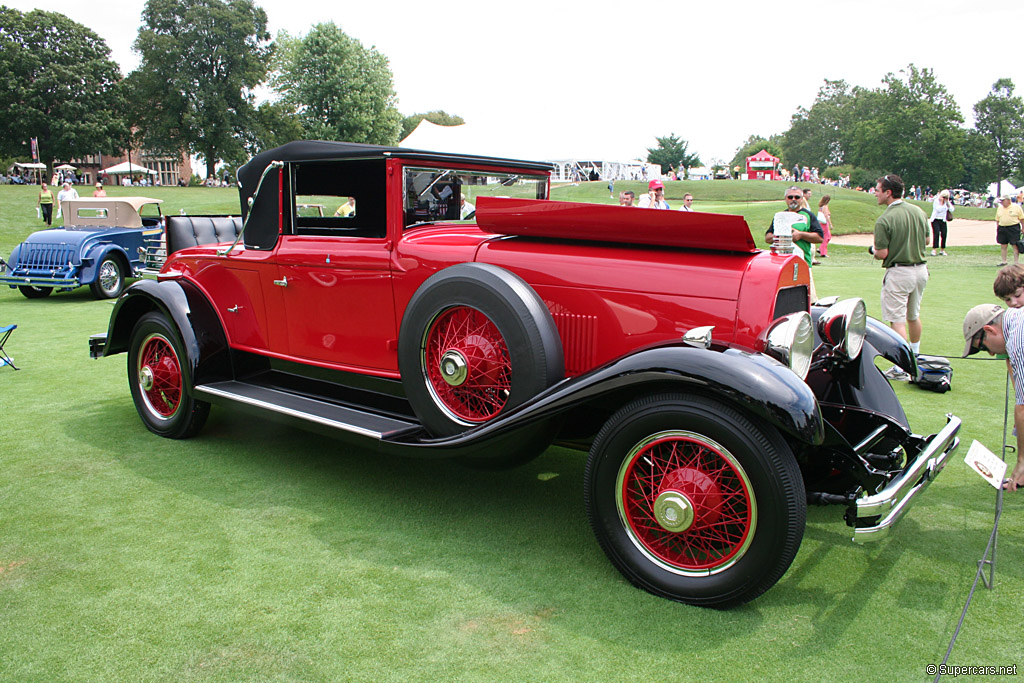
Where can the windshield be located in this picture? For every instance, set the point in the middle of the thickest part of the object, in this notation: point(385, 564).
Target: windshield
point(440, 194)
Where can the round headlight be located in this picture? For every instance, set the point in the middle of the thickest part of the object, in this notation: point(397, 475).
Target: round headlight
point(790, 339)
point(843, 327)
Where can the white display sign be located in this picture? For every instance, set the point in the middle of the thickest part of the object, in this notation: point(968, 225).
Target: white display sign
point(985, 463)
point(783, 222)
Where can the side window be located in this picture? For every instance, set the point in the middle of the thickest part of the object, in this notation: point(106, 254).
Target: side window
point(340, 198)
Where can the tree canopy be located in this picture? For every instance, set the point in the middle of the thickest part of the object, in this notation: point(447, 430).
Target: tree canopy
point(339, 89)
point(57, 84)
point(671, 152)
point(910, 125)
point(438, 117)
point(201, 60)
point(998, 118)
point(753, 145)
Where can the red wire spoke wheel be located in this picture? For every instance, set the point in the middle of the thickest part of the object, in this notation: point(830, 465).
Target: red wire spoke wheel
point(159, 380)
point(475, 342)
point(159, 376)
point(695, 499)
point(467, 364)
point(686, 502)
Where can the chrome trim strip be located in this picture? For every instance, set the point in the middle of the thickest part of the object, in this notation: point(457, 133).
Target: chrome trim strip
point(361, 431)
point(894, 500)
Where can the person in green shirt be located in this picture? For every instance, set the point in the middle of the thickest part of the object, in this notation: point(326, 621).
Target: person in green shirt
point(901, 235)
point(45, 204)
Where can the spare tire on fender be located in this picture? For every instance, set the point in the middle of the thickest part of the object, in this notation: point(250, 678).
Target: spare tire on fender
point(475, 341)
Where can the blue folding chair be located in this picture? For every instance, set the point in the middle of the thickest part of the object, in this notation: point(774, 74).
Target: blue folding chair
point(5, 333)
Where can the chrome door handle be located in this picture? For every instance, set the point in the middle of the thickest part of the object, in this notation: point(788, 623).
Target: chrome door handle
point(283, 282)
point(234, 309)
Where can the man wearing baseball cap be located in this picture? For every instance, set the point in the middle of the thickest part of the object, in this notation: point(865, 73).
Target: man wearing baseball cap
point(990, 328)
point(655, 197)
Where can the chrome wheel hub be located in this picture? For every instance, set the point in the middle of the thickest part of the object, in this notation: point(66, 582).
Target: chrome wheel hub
point(674, 511)
point(146, 378)
point(108, 276)
point(454, 369)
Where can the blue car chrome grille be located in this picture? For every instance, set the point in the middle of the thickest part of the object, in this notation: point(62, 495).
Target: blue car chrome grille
point(46, 256)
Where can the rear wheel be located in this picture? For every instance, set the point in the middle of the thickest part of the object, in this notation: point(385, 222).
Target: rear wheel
point(694, 501)
point(158, 380)
point(33, 292)
point(109, 281)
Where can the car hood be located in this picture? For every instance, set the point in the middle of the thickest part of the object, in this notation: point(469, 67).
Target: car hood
point(70, 235)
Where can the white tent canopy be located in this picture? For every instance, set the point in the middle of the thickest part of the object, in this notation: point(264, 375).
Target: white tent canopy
point(127, 167)
point(34, 166)
point(1003, 188)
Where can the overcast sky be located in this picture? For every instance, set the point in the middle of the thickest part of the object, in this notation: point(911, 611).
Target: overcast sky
point(598, 78)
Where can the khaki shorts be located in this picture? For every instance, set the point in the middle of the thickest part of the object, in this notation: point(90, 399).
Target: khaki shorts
point(902, 290)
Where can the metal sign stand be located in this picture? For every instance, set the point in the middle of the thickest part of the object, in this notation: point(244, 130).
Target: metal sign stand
point(988, 558)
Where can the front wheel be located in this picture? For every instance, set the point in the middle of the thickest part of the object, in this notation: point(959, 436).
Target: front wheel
point(109, 281)
point(33, 292)
point(693, 500)
point(157, 380)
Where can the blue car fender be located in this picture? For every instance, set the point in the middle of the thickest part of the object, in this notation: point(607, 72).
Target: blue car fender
point(94, 256)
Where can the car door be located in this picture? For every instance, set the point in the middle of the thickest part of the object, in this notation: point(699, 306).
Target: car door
point(335, 267)
point(338, 298)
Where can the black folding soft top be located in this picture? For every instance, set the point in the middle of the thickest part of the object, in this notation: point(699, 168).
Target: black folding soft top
point(321, 150)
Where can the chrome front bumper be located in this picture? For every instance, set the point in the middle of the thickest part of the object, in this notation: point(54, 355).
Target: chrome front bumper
point(890, 503)
point(39, 281)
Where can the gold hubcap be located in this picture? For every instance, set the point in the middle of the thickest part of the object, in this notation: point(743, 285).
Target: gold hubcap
point(674, 511)
point(146, 378)
point(454, 369)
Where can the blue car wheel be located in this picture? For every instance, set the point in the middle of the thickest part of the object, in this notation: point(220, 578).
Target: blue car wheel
point(109, 281)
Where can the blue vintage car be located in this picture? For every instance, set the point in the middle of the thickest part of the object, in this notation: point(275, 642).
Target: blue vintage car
point(104, 241)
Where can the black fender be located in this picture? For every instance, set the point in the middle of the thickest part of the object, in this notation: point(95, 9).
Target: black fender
point(755, 383)
point(202, 336)
point(859, 383)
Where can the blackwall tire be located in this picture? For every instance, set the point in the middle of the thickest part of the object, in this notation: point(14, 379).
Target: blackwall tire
point(33, 292)
point(158, 381)
point(475, 341)
point(695, 501)
point(110, 276)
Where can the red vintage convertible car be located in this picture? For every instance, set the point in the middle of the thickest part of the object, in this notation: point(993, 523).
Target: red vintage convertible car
point(447, 308)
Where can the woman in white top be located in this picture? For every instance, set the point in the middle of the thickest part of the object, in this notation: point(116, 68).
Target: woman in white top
point(942, 213)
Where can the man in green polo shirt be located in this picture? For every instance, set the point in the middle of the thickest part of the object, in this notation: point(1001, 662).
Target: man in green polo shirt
point(901, 235)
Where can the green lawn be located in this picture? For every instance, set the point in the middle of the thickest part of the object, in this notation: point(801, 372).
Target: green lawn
point(258, 552)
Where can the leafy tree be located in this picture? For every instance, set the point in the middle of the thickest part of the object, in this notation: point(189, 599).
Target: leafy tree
point(911, 126)
point(817, 136)
point(438, 117)
point(753, 145)
point(276, 124)
point(671, 150)
point(57, 84)
point(979, 162)
point(999, 117)
point(201, 59)
point(339, 89)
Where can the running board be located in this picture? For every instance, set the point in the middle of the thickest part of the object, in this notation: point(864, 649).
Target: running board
point(304, 408)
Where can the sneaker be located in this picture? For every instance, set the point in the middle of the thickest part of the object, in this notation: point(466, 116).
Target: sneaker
point(815, 262)
point(1000, 265)
point(897, 374)
point(933, 253)
point(943, 253)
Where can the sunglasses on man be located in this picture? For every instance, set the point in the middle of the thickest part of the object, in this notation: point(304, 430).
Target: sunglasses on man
point(980, 339)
